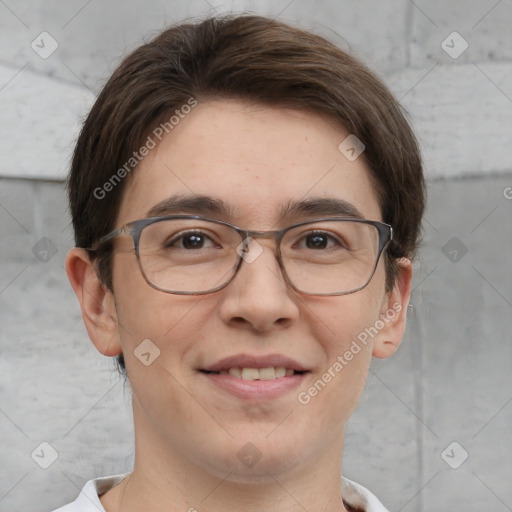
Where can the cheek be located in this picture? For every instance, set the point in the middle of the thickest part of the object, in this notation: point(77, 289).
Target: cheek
point(169, 321)
point(337, 321)
point(158, 331)
point(341, 325)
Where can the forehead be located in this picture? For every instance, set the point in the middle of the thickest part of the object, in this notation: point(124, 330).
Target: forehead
point(255, 160)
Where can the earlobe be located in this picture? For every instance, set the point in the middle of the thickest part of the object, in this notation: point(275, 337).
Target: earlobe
point(393, 313)
point(96, 302)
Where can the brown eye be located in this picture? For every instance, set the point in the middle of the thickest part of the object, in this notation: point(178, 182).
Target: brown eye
point(317, 241)
point(190, 240)
point(194, 241)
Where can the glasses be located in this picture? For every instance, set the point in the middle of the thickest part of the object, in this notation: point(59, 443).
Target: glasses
point(194, 255)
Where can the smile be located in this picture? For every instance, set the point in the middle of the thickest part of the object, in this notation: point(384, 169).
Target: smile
point(255, 378)
point(270, 373)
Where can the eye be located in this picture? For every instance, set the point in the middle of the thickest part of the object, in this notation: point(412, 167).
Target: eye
point(318, 240)
point(190, 240)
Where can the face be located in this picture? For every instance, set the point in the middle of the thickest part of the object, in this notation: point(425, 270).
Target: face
point(255, 160)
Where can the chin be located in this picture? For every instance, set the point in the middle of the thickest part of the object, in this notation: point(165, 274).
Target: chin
point(256, 457)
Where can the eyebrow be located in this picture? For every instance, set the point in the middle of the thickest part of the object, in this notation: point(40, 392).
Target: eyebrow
point(321, 206)
point(207, 205)
point(193, 204)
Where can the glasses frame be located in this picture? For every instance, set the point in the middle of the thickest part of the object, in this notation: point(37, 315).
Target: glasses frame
point(134, 229)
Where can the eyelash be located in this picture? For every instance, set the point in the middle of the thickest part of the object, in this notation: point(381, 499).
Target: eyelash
point(303, 237)
point(183, 234)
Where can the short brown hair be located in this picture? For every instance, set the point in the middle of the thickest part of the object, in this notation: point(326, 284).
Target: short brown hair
point(250, 58)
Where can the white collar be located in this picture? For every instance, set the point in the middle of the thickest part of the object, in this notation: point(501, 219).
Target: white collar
point(88, 500)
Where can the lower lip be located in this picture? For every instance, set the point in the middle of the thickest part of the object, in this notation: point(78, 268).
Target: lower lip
point(255, 389)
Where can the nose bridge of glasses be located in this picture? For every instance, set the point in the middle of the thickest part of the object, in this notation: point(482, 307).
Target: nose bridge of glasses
point(250, 235)
point(275, 234)
point(251, 249)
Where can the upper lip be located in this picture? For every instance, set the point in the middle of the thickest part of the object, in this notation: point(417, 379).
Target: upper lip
point(250, 361)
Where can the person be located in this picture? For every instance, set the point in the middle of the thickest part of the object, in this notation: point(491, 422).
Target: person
point(246, 200)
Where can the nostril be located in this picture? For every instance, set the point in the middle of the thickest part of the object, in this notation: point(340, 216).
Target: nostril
point(238, 320)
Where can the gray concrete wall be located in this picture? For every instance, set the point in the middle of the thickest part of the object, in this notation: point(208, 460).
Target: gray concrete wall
point(449, 383)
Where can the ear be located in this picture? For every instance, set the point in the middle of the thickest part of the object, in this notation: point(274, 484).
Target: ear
point(394, 312)
point(96, 301)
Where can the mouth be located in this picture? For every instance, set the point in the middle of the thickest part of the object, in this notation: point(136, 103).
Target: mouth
point(269, 373)
point(255, 378)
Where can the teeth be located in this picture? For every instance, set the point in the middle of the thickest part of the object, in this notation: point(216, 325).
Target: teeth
point(235, 372)
point(250, 373)
point(280, 372)
point(269, 373)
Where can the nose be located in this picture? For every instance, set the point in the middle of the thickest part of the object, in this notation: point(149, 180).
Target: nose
point(258, 298)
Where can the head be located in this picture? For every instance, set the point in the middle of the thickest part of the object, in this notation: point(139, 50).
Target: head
point(248, 113)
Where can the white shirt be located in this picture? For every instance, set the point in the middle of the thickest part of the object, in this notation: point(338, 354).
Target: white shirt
point(89, 499)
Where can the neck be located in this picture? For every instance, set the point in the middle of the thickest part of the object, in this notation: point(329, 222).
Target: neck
point(164, 479)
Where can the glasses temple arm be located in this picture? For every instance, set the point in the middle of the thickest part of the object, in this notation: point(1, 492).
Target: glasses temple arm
point(104, 239)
